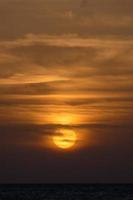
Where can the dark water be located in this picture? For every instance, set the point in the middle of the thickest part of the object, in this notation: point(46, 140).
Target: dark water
point(66, 192)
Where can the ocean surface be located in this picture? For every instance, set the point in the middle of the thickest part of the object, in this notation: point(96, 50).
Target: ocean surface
point(66, 192)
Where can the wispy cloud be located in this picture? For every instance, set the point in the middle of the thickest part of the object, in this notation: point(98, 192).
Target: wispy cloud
point(66, 64)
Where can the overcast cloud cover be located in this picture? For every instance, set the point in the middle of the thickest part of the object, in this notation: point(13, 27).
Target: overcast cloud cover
point(66, 57)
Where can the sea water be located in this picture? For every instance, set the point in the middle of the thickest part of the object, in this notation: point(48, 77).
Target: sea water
point(66, 192)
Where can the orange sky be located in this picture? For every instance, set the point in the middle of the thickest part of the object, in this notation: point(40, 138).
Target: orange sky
point(67, 64)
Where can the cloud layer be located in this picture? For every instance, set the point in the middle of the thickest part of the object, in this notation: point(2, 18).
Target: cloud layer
point(66, 63)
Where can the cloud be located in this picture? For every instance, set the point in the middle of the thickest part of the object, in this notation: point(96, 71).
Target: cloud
point(66, 62)
point(24, 134)
point(70, 63)
point(90, 55)
point(68, 40)
point(97, 18)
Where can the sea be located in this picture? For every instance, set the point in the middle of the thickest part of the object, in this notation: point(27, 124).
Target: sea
point(66, 192)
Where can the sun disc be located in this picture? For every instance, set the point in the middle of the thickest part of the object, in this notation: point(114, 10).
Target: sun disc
point(65, 138)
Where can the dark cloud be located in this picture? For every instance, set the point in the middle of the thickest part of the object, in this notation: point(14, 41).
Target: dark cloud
point(66, 64)
point(35, 88)
point(85, 57)
point(109, 156)
point(97, 18)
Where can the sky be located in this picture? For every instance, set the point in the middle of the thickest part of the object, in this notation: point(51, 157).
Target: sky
point(66, 65)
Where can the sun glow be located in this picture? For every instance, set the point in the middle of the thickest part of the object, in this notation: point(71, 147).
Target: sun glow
point(65, 138)
point(64, 119)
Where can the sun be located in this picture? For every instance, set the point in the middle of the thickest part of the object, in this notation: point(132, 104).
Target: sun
point(65, 138)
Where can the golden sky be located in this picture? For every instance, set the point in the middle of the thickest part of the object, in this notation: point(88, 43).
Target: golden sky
point(67, 64)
